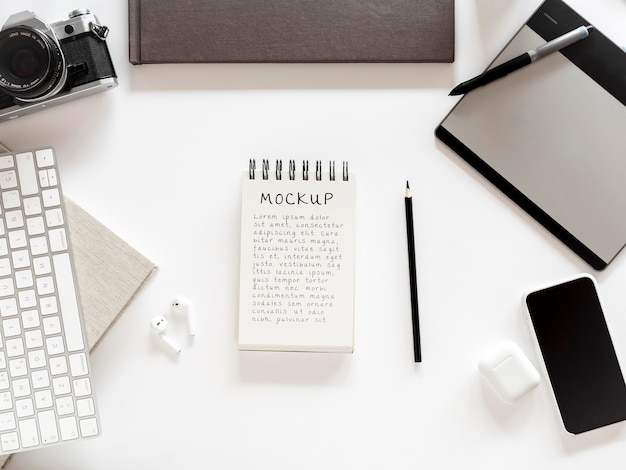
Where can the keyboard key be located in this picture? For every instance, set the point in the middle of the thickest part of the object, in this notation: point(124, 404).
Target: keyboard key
point(61, 385)
point(68, 302)
point(42, 265)
point(78, 365)
point(26, 171)
point(28, 432)
point(51, 197)
point(7, 287)
point(58, 365)
point(24, 407)
point(48, 427)
point(11, 199)
point(33, 339)
point(6, 401)
point(48, 305)
point(38, 246)
point(24, 279)
point(21, 259)
point(6, 161)
point(69, 428)
point(43, 399)
point(54, 345)
point(41, 379)
point(52, 177)
point(32, 205)
point(30, 319)
point(35, 226)
point(37, 359)
point(85, 407)
point(52, 325)
point(45, 285)
point(82, 387)
point(9, 442)
point(54, 217)
point(4, 381)
point(15, 347)
point(17, 367)
point(27, 298)
point(17, 239)
point(58, 240)
point(8, 179)
point(8, 307)
point(65, 406)
point(5, 267)
point(11, 327)
point(14, 219)
point(88, 427)
point(21, 388)
point(43, 179)
point(45, 158)
point(7, 421)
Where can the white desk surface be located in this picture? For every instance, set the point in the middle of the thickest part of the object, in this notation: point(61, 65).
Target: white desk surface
point(159, 160)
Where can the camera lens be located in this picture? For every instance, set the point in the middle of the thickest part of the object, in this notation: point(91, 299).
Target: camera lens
point(26, 64)
point(31, 64)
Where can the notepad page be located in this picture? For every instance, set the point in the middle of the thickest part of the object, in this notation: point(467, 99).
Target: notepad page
point(297, 264)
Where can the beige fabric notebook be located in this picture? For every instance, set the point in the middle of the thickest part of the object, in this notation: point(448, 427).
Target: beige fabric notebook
point(109, 272)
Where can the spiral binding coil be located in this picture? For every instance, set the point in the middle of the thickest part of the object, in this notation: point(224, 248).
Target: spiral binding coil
point(265, 170)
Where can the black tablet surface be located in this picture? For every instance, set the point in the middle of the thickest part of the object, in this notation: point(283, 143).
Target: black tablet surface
point(552, 135)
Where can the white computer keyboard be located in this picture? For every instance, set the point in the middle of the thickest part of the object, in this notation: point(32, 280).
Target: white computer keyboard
point(46, 389)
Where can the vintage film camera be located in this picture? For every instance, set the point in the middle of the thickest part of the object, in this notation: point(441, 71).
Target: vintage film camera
point(44, 65)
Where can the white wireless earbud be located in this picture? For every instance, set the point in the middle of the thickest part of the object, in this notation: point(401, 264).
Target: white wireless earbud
point(180, 306)
point(160, 325)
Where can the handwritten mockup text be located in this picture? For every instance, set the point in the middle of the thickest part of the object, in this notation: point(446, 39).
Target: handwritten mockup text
point(297, 198)
point(295, 259)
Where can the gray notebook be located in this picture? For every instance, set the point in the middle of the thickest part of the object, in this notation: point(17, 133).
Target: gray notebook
point(162, 31)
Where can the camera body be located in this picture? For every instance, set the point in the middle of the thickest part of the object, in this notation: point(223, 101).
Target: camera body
point(42, 65)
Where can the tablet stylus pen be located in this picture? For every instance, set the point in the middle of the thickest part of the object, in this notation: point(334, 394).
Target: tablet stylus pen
point(522, 61)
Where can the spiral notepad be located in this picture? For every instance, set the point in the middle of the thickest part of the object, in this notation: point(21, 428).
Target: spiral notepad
point(297, 258)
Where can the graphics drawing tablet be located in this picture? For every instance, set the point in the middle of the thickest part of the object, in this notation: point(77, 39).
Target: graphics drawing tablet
point(552, 135)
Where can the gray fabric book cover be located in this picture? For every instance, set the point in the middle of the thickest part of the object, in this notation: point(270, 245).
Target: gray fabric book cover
point(162, 31)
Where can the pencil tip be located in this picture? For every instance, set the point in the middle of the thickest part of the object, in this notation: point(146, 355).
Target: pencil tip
point(407, 184)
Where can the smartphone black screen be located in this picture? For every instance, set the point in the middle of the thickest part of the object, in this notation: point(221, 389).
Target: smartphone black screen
point(578, 354)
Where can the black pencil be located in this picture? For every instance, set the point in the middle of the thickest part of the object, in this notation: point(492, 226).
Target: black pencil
point(408, 204)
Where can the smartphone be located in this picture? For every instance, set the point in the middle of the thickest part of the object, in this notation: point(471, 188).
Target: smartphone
point(574, 343)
